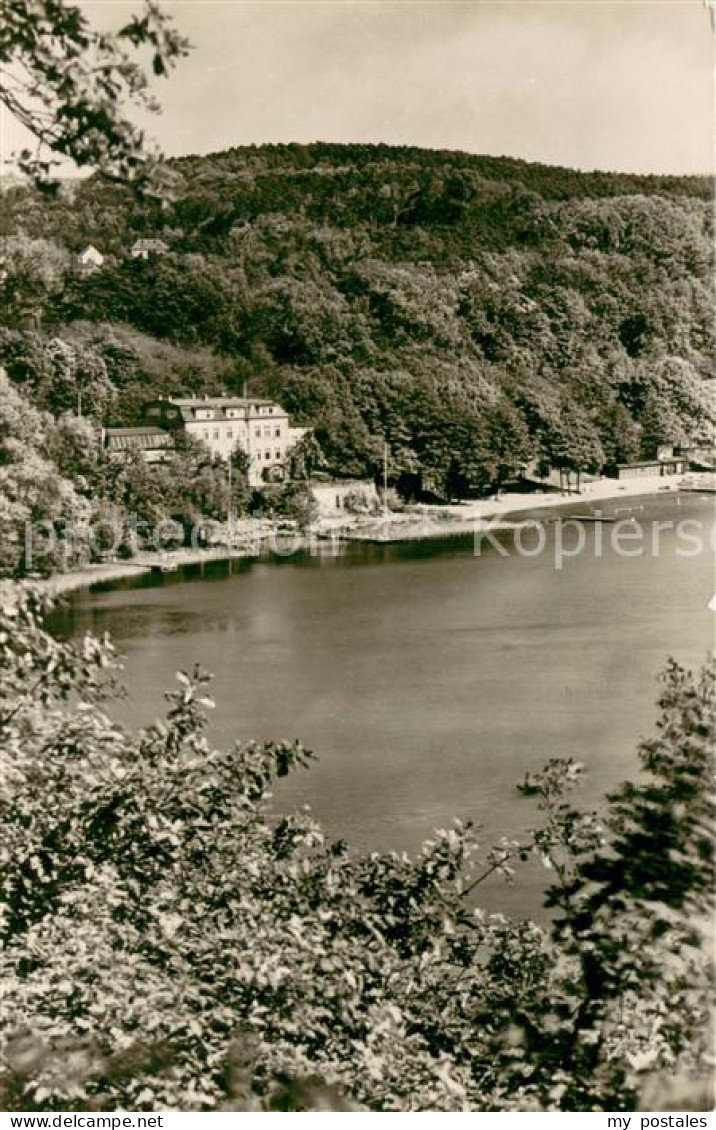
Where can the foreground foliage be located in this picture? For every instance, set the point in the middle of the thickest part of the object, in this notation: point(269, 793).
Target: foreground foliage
point(73, 87)
point(168, 943)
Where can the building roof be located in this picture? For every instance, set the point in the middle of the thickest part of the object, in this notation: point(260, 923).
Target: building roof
point(144, 439)
point(652, 462)
point(219, 401)
point(219, 405)
point(149, 244)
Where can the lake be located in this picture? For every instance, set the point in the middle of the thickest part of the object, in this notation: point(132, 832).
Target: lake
point(426, 678)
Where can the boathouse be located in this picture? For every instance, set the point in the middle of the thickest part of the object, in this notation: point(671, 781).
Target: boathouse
point(650, 468)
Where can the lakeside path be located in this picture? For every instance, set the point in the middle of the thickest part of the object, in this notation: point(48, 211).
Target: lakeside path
point(415, 523)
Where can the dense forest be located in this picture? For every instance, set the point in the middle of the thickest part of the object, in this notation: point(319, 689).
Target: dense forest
point(474, 313)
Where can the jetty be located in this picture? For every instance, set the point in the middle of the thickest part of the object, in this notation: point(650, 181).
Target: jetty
point(700, 484)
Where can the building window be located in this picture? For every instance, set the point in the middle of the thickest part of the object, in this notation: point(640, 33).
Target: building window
point(278, 433)
point(278, 456)
point(338, 502)
point(267, 430)
point(216, 433)
point(268, 456)
point(258, 456)
point(257, 431)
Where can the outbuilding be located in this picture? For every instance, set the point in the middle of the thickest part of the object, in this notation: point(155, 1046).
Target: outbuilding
point(651, 468)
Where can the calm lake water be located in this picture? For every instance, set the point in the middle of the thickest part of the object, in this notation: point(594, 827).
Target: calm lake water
point(426, 678)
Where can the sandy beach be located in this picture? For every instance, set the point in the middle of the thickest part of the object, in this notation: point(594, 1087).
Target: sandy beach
point(433, 521)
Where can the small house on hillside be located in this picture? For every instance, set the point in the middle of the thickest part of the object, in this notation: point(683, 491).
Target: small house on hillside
point(90, 259)
point(144, 248)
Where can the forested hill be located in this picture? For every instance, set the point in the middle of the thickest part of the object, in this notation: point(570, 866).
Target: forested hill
point(471, 311)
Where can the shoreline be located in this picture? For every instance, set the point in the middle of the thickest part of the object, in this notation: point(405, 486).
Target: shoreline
point(436, 521)
point(420, 522)
point(90, 575)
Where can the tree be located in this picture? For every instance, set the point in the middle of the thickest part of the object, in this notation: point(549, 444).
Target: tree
point(574, 444)
point(71, 85)
point(38, 507)
point(73, 444)
point(619, 436)
point(305, 456)
point(77, 381)
point(33, 270)
point(292, 501)
point(509, 442)
point(635, 913)
point(659, 423)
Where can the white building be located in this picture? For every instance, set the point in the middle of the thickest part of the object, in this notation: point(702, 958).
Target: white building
point(144, 248)
point(90, 259)
point(260, 428)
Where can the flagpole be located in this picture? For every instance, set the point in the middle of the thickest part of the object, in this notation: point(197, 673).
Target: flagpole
point(385, 478)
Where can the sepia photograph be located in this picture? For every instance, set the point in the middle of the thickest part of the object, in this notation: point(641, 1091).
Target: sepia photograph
point(357, 543)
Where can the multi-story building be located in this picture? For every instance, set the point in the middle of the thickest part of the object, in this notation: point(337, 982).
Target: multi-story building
point(260, 428)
